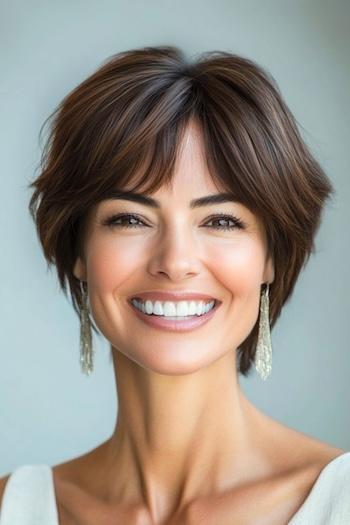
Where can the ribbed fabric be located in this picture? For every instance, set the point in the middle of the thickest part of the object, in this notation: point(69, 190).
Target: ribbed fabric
point(29, 497)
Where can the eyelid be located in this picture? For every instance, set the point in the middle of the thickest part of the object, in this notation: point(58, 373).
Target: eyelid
point(238, 222)
point(137, 214)
point(229, 215)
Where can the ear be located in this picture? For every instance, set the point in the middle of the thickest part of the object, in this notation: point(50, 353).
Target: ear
point(269, 273)
point(79, 269)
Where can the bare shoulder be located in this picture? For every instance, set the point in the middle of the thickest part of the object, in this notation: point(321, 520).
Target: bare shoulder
point(295, 460)
point(3, 482)
point(327, 453)
point(294, 466)
point(314, 456)
point(310, 451)
point(291, 450)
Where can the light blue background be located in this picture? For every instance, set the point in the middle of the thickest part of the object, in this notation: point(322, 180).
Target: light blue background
point(49, 411)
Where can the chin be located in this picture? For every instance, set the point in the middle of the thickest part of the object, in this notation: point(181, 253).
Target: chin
point(171, 363)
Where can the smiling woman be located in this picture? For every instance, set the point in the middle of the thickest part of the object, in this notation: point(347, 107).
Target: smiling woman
point(176, 197)
point(123, 126)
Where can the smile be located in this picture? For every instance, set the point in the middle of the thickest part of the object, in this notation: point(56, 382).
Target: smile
point(178, 317)
point(170, 309)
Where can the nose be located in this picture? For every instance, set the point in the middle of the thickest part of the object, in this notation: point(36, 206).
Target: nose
point(176, 255)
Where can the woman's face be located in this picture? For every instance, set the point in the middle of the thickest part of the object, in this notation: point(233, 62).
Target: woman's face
point(175, 248)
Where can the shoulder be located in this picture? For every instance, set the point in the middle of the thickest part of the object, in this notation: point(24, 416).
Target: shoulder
point(322, 471)
point(327, 496)
point(312, 458)
point(327, 468)
point(319, 455)
point(296, 451)
point(336, 468)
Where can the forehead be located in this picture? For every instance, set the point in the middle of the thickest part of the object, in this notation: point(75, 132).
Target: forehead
point(191, 174)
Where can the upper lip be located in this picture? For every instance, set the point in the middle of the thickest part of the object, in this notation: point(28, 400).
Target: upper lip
point(162, 295)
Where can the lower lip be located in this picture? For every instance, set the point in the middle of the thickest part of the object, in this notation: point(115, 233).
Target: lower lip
point(175, 326)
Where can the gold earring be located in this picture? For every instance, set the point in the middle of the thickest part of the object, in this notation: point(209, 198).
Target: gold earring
point(86, 349)
point(263, 356)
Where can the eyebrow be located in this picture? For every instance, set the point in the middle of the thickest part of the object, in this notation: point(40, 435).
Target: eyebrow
point(140, 198)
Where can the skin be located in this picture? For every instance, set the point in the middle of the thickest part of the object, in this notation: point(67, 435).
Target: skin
point(188, 446)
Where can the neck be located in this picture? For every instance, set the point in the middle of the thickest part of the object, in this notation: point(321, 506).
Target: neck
point(177, 437)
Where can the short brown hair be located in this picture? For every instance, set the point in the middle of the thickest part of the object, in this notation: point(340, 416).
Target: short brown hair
point(129, 117)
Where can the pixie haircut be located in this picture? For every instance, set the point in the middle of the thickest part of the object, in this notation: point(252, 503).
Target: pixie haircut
point(122, 126)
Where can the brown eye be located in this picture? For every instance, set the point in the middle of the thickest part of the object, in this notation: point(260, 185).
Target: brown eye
point(224, 222)
point(126, 220)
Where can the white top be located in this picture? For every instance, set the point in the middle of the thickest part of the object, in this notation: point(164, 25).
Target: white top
point(29, 497)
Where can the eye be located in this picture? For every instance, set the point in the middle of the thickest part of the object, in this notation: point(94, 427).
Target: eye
point(112, 221)
point(127, 220)
point(222, 218)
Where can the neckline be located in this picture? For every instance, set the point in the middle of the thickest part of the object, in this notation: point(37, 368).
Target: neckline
point(319, 479)
point(317, 482)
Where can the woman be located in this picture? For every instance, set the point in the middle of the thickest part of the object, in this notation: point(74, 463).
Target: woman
point(179, 204)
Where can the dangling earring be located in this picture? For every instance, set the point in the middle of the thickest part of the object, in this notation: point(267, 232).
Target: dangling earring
point(86, 350)
point(263, 356)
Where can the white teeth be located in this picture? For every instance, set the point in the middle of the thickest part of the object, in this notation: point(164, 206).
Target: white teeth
point(157, 308)
point(172, 309)
point(148, 307)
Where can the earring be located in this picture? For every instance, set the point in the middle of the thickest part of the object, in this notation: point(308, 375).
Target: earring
point(263, 356)
point(86, 350)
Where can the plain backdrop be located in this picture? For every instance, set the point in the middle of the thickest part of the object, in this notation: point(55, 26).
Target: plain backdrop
point(49, 411)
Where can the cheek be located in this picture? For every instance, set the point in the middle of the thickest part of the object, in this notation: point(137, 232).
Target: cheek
point(239, 266)
point(110, 266)
point(110, 263)
point(239, 271)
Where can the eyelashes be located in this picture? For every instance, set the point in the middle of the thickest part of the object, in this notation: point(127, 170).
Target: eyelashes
point(112, 221)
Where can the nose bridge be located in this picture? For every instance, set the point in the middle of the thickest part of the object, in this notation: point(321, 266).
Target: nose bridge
point(176, 250)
